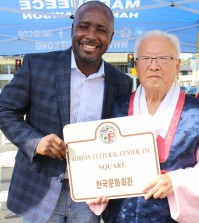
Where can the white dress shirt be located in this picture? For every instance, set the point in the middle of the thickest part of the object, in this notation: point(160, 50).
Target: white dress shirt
point(86, 94)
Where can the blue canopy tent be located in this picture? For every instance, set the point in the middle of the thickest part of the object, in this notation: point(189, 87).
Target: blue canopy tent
point(28, 26)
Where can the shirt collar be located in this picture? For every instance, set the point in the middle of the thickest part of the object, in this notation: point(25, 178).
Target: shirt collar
point(73, 62)
point(163, 116)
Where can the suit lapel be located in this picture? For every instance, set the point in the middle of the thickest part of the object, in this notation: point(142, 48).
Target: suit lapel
point(110, 93)
point(62, 79)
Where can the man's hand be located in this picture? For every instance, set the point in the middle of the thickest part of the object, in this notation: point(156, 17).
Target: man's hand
point(160, 188)
point(52, 146)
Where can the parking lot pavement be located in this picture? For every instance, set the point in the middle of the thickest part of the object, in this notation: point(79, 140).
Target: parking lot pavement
point(5, 182)
point(9, 216)
point(6, 173)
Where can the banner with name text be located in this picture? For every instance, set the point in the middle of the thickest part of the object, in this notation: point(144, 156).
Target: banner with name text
point(28, 26)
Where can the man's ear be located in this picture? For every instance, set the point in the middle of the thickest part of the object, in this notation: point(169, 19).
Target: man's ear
point(178, 66)
point(72, 30)
point(111, 37)
point(136, 65)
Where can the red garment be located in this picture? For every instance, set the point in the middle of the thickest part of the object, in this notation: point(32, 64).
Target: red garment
point(197, 96)
point(164, 145)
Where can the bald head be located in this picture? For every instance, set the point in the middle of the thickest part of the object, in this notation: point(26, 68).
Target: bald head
point(95, 4)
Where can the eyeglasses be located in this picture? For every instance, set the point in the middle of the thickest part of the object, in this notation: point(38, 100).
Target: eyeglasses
point(160, 60)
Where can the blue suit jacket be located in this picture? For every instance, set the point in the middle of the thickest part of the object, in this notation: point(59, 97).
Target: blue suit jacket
point(40, 90)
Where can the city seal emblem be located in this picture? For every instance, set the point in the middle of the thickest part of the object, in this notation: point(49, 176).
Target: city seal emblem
point(107, 134)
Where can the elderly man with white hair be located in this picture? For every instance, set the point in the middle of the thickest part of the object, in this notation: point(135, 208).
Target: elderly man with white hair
point(174, 195)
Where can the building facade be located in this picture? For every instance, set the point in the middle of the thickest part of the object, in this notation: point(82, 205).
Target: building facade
point(188, 76)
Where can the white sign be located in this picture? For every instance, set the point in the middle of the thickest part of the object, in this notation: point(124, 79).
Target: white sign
point(114, 157)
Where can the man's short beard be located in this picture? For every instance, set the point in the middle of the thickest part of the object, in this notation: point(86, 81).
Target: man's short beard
point(89, 60)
